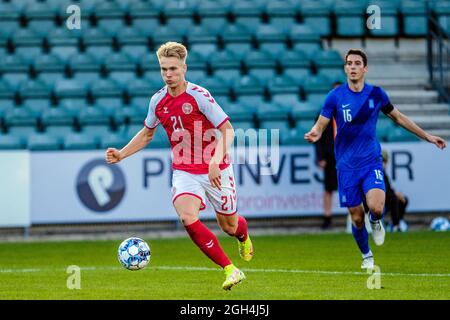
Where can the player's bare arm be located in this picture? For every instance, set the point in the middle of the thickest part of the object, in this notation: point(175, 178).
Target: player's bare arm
point(139, 142)
point(223, 144)
point(316, 131)
point(409, 125)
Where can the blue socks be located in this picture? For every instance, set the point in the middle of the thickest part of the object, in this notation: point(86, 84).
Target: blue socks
point(362, 239)
point(373, 217)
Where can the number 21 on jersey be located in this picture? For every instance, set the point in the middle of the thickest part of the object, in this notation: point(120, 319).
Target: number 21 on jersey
point(177, 123)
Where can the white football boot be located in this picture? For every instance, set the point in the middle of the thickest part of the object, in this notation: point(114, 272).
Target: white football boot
point(378, 232)
point(368, 263)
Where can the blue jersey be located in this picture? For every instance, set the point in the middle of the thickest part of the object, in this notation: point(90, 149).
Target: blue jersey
point(356, 113)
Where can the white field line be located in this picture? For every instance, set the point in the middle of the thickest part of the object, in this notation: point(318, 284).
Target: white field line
point(190, 268)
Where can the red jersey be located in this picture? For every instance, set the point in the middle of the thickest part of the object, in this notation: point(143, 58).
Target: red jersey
point(190, 121)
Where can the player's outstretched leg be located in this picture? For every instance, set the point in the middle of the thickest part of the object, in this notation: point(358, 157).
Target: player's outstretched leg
point(375, 202)
point(378, 231)
point(236, 226)
point(233, 276)
point(361, 236)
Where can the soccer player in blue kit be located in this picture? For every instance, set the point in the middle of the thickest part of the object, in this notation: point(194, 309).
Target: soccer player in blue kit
point(355, 107)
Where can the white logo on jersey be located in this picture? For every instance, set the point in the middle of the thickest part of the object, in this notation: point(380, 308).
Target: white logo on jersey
point(345, 105)
point(165, 110)
point(187, 108)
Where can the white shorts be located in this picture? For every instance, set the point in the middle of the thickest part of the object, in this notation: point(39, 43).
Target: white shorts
point(198, 185)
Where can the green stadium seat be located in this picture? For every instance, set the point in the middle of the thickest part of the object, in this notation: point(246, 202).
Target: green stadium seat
point(261, 65)
point(283, 89)
point(442, 10)
point(398, 134)
point(239, 112)
point(330, 64)
point(226, 65)
point(160, 139)
point(70, 88)
point(414, 18)
point(110, 16)
point(269, 111)
point(248, 13)
point(80, 141)
point(140, 90)
point(49, 68)
point(350, 18)
point(271, 39)
point(40, 16)
point(305, 111)
point(27, 43)
point(107, 92)
point(14, 69)
point(134, 42)
point(303, 126)
point(43, 142)
point(20, 117)
point(145, 14)
point(11, 142)
point(202, 40)
point(316, 89)
point(304, 38)
point(389, 22)
point(134, 114)
point(282, 14)
point(217, 86)
point(237, 38)
point(249, 90)
point(6, 92)
point(316, 14)
point(166, 33)
point(85, 68)
point(9, 17)
point(113, 140)
point(384, 126)
point(293, 137)
point(98, 42)
point(63, 42)
point(57, 117)
point(295, 64)
point(180, 14)
point(243, 125)
point(213, 12)
point(120, 67)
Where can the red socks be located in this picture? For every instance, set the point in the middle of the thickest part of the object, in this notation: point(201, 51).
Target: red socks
point(241, 230)
point(208, 243)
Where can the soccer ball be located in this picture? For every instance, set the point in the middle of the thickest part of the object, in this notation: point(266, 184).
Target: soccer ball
point(440, 224)
point(134, 253)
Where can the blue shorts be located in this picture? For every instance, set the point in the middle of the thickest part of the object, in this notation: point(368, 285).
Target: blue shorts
point(353, 185)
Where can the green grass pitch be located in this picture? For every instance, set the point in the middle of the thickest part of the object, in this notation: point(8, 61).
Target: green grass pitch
point(414, 265)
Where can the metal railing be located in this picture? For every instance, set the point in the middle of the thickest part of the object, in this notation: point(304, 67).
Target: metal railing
point(438, 56)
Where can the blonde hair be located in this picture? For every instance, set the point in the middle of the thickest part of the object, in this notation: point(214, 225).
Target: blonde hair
point(172, 49)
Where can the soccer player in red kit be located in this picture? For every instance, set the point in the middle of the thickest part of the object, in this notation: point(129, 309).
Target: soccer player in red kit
point(200, 135)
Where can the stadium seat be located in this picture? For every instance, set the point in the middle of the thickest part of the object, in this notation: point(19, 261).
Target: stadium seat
point(295, 64)
point(43, 142)
point(120, 67)
point(316, 88)
point(284, 89)
point(134, 42)
point(350, 18)
point(271, 39)
point(9, 17)
point(160, 139)
point(27, 43)
point(69, 88)
point(20, 122)
point(36, 94)
point(131, 114)
point(398, 134)
point(98, 42)
point(14, 69)
point(303, 126)
point(414, 18)
point(11, 142)
point(218, 88)
point(226, 65)
point(113, 140)
point(63, 42)
point(6, 92)
point(40, 16)
point(305, 111)
point(141, 90)
point(165, 33)
point(304, 38)
point(107, 92)
point(58, 122)
point(282, 14)
point(179, 14)
point(293, 137)
point(85, 68)
point(248, 13)
point(249, 90)
point(389, 22)
point(145, 14)
point(267, 112)
point(237, 38)
point(80, 141)
point(261, 65)
point(329, 63)
point(239, 112)
point(316, 14)
point(213, 13)
point(384, 127)
point(49, 68)
point(110, 16)
point(203, 40)
point(442, 10)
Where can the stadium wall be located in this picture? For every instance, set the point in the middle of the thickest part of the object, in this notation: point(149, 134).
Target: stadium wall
point(78, 187)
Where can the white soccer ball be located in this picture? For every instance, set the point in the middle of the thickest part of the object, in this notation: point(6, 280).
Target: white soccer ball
point(440, 224)
point(134, 253)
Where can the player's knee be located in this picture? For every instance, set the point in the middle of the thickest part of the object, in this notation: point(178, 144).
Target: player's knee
point(229, 229)
point(187, 217)
point(358, 222)
point(377, 209)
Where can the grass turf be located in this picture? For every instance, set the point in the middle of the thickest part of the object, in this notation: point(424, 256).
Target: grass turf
point(413, 265)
